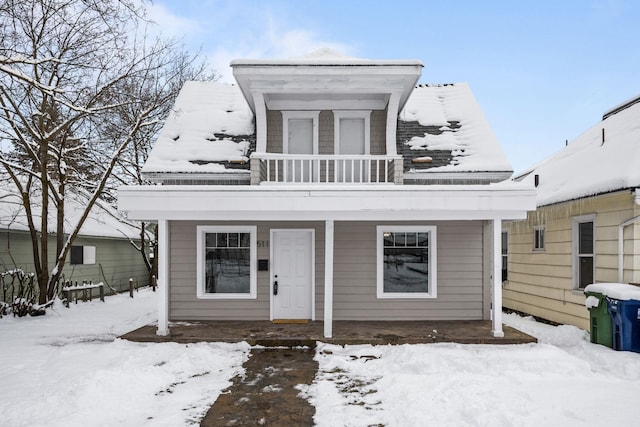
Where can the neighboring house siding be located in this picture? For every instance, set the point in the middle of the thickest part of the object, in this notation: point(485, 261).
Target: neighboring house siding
point(542, 283)
point(116, 259)
point(461, 294)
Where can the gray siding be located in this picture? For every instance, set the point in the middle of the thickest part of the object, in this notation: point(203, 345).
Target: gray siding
point(184, 305)
point(460, 275)
point(378, 132)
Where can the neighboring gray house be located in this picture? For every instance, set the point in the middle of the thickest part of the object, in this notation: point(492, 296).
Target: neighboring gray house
point(104, 250)
point(328, 187)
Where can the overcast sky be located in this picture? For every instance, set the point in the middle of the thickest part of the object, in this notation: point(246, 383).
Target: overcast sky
point(543, 71)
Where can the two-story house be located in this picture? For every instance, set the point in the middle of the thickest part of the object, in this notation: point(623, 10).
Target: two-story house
point(328, 187)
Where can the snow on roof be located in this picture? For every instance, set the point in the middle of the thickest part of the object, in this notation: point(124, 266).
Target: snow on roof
point(464, 129)
point(325, 56)
point(103, 221)
point(603, 159)
point(209, 123)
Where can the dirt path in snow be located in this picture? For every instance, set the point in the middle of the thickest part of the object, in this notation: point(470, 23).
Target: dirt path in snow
point(266, 394)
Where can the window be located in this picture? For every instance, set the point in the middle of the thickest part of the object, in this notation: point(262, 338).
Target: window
point(583, 251)
point(352, 137)
point(406, 261)
point(82, 255)
point(226, 262)
point(300, 132)
point(300, 136)
point(538, 238)
point(505, 256)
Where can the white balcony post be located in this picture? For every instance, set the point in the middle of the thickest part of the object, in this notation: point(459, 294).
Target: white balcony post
point(496, 279)
point(328, 278)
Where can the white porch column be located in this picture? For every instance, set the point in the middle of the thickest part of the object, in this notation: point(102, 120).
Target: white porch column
point(392, 123)
point(163, 278)
point(328, 278)
point(496, 278)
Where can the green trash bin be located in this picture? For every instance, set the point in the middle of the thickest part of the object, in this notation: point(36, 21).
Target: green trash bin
point(600, 321)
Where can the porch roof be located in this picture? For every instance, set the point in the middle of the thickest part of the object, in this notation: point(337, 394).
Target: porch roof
point(506, 200)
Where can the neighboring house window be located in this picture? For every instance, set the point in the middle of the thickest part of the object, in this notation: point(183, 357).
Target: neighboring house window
point(82, 255)
point(406, 261)
point(583, 250)
point(352, 136)
point(505, 256)
point(226, 262)
point(538, 238)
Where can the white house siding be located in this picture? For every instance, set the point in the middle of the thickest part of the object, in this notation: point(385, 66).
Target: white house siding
point(461, 294)
point(541, 283)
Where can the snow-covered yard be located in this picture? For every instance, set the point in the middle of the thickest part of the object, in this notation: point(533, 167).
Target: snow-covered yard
point(67, 369)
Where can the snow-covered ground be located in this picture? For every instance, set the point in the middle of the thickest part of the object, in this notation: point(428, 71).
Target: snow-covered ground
point(564, 380)
point(67, 369)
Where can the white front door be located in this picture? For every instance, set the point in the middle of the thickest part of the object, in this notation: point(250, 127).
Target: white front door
point(292, 274)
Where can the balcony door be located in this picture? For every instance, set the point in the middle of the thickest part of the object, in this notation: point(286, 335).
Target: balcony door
point(300, 132)
point(352, 138)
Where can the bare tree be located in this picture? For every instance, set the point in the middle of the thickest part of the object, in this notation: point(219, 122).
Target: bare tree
point(82, 91)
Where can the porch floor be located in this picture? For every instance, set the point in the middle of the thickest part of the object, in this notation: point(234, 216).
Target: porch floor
point(269, 334)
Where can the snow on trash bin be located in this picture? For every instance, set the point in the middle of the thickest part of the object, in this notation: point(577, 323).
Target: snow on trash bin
point(623, 306)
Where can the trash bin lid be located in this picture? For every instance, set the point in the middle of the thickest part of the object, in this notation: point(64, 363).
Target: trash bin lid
point(619, 291)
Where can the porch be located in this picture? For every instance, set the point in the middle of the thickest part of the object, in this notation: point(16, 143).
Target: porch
point(345, 332)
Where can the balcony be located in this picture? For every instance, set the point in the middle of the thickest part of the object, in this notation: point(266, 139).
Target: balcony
point(275, 168)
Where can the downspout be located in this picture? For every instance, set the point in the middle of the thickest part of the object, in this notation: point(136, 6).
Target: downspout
point(621, 237)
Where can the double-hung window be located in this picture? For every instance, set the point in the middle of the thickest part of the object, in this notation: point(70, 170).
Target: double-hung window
point(406, 265)
point(538, 238)
point(505, 256)
point(226, 262)
point(583, 251)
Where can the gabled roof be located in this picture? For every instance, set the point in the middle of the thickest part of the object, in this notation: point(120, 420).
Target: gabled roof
point(210, 124)
point(605, 158)
point(103, 220)
point(448, 119)
point(211, 130)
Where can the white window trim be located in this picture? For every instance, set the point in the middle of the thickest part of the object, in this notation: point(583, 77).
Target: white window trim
point(352, 114)
point(432, 285)
point(286, 115)
point(536, 229)
point(201, 230)
point(575, 267)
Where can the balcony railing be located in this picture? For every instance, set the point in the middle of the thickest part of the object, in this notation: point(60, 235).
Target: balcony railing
point(328, 169)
